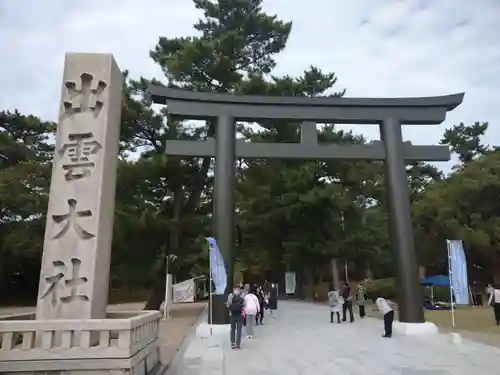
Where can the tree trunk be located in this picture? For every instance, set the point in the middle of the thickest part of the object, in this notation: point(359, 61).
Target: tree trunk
point(309, 283)
point(335, 273)
point(369, 271)
point(193, 200)
point(158, 295)
point(496, 268)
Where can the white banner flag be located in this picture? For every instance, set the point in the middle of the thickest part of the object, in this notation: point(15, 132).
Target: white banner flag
point(184, 291)
point(217, 267)
point(458, 271)
point(289, 282)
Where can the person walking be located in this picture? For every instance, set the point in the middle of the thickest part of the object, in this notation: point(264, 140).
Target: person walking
point(236, 304)
point(346, 295)
point(335, 302)
point(494, 301)
point(361, 301)
point(385, 308)
point(489, 290)
point(252, 307)
point(244, 291)
point(273, 299)
point(259, 318)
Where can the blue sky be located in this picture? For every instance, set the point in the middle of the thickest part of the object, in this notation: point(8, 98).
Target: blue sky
point(379, 48)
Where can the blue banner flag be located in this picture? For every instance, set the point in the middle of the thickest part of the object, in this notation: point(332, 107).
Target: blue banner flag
point(458, 271)
point(217, 267)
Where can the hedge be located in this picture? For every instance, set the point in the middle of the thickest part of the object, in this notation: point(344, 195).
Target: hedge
point(386, 288)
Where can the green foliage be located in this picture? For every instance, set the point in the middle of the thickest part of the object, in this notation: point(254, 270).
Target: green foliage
point(25, 153)
point(465, 140)
point(384, 288)
point(24, 139)
point(237, 37)
point(464, 206)
point(294, 214)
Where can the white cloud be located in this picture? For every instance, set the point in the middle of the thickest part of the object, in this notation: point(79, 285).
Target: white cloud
point(377, 48)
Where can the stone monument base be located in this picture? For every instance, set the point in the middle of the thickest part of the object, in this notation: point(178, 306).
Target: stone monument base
point(123, 343)
point(415, 329)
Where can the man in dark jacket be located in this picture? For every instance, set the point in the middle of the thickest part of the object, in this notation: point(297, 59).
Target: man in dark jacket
point(346, 295)
point(262, 302)
point(235, 304)
point(273, 299)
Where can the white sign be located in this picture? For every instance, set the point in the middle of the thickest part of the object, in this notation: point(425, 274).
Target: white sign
point(184, 291)
point(289, 282)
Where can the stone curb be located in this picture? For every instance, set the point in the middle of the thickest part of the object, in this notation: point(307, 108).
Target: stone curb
point(172, 367)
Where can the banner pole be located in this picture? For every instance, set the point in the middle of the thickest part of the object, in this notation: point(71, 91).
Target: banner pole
point(346, 272)
point(448, 243)
point(471, 297)
point(165, 303)
point(210, 288)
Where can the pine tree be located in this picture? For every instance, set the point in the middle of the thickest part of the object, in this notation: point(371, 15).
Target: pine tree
point(465, 140)
point(238, 39)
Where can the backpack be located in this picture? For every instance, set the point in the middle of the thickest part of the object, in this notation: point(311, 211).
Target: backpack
point(237, 305)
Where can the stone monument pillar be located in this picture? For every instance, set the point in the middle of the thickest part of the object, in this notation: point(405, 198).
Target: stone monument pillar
point(74, 277)
point(71, 332)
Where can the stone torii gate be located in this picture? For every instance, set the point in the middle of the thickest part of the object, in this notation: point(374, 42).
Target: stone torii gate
point(389, 113)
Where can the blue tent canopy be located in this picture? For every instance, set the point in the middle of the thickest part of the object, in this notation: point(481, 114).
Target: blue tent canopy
point(437, 280)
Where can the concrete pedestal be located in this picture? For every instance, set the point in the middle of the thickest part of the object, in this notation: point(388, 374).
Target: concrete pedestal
point(218, 312)
point(415, 329)
point(127, 343)
point(455, 338)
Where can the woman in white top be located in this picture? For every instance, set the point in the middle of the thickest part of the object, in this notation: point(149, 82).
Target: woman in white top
point(385, 308)
point(252, 307)
point(495, 302)
point(335, 302)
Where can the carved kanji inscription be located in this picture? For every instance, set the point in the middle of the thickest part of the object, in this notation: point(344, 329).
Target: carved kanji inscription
point(70, 219)
point(84, 96)
point(53, 281)
point(79, 149)
point(70, 284)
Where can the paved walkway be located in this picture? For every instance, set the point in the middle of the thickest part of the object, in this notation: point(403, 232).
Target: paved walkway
point(302, 341)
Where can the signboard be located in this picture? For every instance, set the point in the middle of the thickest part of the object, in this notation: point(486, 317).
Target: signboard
point(184, 291)
point(290, 282)
point(458, 271)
